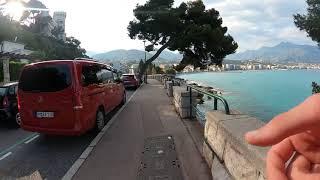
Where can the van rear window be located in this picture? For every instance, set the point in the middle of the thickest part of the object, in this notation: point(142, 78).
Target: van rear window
point(127, 77)
point(3, 91)
point(45, 78)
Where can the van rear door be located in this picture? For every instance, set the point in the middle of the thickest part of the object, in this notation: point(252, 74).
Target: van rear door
point(46, 96)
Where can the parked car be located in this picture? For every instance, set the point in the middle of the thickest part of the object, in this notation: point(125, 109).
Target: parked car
point(68, 97)
point(8, 103)
point(130, 81)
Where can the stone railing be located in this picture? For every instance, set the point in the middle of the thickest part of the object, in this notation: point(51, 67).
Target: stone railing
point(158, 77)
point(226, 151)
point(181, 100)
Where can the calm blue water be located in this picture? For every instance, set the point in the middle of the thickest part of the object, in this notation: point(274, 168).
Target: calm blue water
point(262, 94)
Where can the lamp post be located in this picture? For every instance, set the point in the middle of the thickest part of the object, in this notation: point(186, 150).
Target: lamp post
point(145, 61)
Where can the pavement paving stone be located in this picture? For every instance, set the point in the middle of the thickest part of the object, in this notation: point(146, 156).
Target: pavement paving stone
point(120, 153)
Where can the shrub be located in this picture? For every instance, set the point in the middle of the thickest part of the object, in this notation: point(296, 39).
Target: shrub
point(315, 88)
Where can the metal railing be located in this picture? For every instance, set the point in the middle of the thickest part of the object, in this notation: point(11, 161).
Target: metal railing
point(193, 106)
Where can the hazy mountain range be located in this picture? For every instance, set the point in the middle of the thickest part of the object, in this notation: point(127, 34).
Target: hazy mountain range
point(136, 55)
point(283, 52)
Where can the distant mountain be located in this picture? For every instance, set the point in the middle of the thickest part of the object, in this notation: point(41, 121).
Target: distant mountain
point(170, 56)
point(136, 55)
point(91, 53)
point(283, 52)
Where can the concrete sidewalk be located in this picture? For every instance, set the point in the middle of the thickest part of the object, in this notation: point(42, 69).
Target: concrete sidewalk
point(150, 113)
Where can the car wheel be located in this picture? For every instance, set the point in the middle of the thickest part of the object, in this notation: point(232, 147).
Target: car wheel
point(99, 121)
point(18, 120)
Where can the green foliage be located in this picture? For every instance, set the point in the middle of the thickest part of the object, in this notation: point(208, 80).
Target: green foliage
point(192, 30)
point(150, 68)
point(171, 71)
point(46, 48)
point(315, 88)
point(310, 22)
point(179, 67)
point(159, 70)
point(15, 70)
point(141, 63)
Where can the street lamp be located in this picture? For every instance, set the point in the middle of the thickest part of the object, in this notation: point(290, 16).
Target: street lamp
point(145, 61)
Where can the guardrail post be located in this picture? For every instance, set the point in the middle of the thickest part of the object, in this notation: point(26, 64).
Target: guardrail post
point(215, 104)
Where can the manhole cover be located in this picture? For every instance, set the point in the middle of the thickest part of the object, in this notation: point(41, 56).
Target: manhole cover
point(159, 160)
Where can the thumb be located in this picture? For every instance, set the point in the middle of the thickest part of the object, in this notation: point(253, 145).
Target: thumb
point(302, 118)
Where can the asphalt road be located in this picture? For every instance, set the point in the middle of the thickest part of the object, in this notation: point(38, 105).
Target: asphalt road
point(25, 153)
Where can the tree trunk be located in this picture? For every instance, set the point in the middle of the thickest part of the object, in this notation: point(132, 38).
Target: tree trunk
point(154, 57)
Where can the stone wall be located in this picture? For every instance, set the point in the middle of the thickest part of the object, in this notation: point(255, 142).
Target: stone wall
point(226, 151)
point(181, 100)
point(158, 77)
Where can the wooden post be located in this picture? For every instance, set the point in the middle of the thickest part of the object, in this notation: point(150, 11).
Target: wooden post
point(6, 70)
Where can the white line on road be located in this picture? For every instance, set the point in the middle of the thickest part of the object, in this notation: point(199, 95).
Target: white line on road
point(5, 156)
point(35, 137)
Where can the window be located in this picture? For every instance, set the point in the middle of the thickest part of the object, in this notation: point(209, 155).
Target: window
point(3, 91)
point(91, 75)
point(45, 78)
point(128, 77)
point(107, 76)
point(12, 90)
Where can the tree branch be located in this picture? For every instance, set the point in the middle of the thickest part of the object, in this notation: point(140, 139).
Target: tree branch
point(155, 56)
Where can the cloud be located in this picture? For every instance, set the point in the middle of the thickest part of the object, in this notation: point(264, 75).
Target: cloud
point(261, 23)
point(102, 25)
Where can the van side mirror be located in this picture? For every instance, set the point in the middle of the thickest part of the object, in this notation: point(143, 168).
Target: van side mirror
point(118, 81)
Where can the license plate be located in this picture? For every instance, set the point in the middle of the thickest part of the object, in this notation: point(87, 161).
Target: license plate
point(45, 114)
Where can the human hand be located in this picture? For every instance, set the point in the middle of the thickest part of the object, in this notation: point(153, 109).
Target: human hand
point(296, 131)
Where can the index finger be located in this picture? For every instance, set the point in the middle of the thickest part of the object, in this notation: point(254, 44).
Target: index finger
point(299, 119)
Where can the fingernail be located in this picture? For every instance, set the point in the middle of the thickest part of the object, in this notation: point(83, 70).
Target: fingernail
point(252, 134)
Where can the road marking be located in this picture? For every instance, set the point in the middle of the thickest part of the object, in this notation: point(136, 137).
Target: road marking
point(17, 144)
point(35, 137)
point(5, 156)
point(76, 166)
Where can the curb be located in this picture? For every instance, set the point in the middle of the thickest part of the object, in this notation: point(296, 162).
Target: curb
point(76, 166)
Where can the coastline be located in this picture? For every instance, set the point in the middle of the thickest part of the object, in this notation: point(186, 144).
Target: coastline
point(262, 94)
point(243, 71)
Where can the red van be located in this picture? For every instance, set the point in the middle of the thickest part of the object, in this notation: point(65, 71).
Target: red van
point(68, 97)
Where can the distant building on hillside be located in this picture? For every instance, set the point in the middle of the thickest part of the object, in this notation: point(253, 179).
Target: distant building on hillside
point(165, 66)
point(212, 68)
point(60, 22)
point(189, 68)
point(55, 26)
point(13, 48)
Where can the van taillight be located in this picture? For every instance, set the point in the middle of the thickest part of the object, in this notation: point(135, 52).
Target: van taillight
point(5, 102)
point(77, 101)
point(18, 99)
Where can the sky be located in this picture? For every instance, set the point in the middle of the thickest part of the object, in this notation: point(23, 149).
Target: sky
point(102, 25)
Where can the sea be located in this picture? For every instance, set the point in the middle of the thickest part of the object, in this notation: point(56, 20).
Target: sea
point(262, 94)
